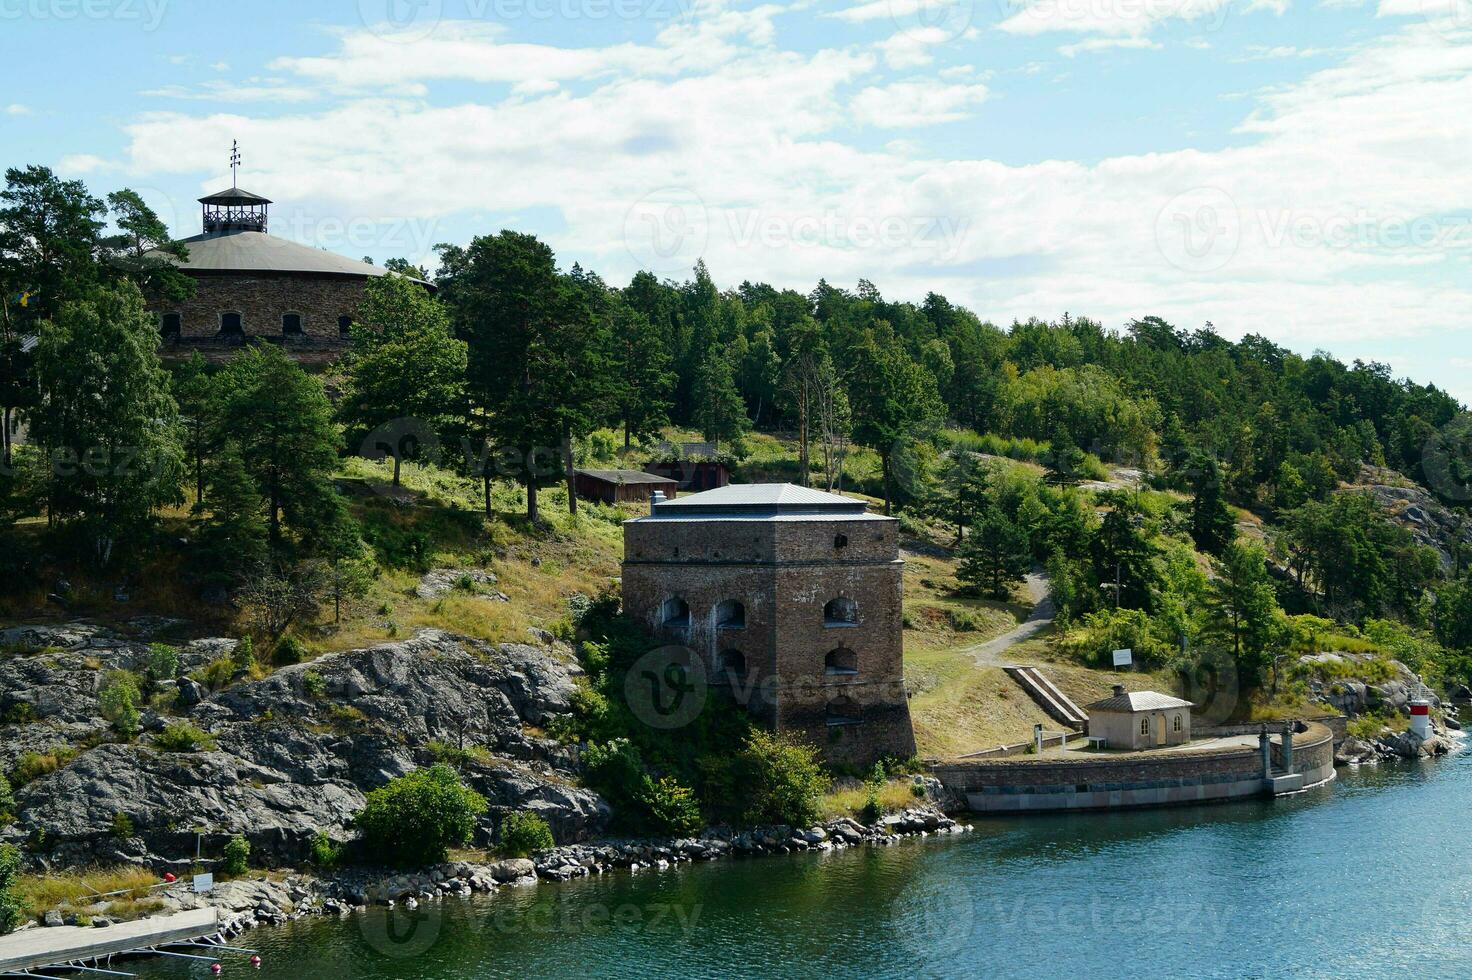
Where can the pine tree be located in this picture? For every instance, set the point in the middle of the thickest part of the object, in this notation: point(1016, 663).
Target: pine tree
point(642, 374)
point(232, 528)
point(1212, 525)
point(718, 411)
point(1243, 609)
point(195, 394)
point(405, 374)
point(995, 557)
point(106, 418)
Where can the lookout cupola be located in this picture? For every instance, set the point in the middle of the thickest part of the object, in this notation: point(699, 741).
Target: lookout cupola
point(235, 209)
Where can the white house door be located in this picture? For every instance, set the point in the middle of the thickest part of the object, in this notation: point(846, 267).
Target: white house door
point(1160, 729)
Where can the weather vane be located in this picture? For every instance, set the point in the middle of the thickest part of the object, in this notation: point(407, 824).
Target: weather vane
point(234, 159)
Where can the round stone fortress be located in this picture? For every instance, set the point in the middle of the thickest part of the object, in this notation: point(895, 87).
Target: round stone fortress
point(253, 287)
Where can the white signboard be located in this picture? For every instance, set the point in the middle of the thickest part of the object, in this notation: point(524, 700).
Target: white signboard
point(203, 883)
point(1123, 658)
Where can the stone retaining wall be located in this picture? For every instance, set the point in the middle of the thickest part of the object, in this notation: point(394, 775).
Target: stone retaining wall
point(1129, 780)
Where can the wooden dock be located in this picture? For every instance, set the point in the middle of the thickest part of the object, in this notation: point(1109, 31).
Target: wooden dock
point(57, 946)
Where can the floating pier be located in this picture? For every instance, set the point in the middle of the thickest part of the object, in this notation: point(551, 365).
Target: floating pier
point(90, 949)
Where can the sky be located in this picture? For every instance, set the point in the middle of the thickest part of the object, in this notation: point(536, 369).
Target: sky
point(1293, 168)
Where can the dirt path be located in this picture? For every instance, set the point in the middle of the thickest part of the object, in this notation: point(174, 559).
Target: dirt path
point(989, 654)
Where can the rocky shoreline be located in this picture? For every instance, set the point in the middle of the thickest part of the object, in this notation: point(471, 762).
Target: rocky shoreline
point(252, 902)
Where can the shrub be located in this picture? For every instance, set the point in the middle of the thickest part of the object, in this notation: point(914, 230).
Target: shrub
point(19, 713)
point(244, 654)
point(669, 807)
point(289, 651)
point(326, 852)
point(236, 856)
point(163, 662)
point(10, 907)
point(314, 684)
point(414, 820)
point(181, 736)
point(122, 825)
point(119, 702)
point(216, 674)
point(523, 834)
point(782, 778)
point(33, 765)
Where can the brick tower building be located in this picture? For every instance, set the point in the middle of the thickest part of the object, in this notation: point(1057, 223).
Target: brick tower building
point(791, 598)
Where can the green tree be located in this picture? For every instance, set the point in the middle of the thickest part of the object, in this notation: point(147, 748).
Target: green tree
point(1063, 460)
point(404, 364)
point(1124, 557)
point(895, 403)
point(782, 779)
point(106, 419)
point(522, 834)
point(232, 536)
point(961, 492)
point(995, 556)
point(194, 392)
point(281, 419)
point(1212, 525)
point(414, 820)
point(11, 914)
point(1243, 609)
point(50, 235)
point(642, 373)
point(144, 250)
point(118, 701)
point(718, 412)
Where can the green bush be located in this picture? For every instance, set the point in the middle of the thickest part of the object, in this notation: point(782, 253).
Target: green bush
point(10, 908)
point(782, 779)
point(122, 825)
point(163, 662)
point(314, 684)
point(289, 651)
point(523, 834)
point(236, 856)
point(181, 736)
point(669, 807)
point(33, 765)
point(414, 820)
point(326, 852)
point(7, 799)
point(244, 654)
point(216, 674)
point(119, 699)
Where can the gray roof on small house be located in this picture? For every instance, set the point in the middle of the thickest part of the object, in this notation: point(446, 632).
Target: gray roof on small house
point(1133, 701)
point(256, 251)
point(234, 195)
point(626, 476)
point(764, 502)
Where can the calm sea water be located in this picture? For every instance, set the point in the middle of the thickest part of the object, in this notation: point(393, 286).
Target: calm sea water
point(1368, 877)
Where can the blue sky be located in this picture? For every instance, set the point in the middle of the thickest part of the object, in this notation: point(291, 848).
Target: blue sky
point(1296, 169)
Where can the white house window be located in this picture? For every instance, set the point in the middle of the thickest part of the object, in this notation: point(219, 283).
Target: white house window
point(841, 611)
point(1144, 726)
point(1175, 724)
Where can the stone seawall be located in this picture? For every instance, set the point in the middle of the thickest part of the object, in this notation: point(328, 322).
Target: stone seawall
point(1132, 779)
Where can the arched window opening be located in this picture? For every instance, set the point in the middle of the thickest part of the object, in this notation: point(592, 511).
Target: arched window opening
point(733, 666)
point(291, 324)
point(344, 326)
point(841, 611)
point(841, 662)
point(170, 324)
point(675, 613)
point(232, 325)
point(1145, 725)
point(840, 541)
point(843, 711)
point(730, 615)
point(1175, 724)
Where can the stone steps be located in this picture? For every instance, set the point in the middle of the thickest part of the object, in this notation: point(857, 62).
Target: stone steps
point(1054, 702)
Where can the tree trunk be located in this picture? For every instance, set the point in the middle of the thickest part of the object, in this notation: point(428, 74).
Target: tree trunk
point(802, 435)
point(485, 476)
point(531, 498)
point(884, 462)
point(572, 497)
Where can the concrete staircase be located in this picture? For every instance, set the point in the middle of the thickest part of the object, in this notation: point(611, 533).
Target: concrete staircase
point(1053, 701)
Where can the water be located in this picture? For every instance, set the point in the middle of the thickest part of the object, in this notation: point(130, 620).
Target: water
point(1367, 877)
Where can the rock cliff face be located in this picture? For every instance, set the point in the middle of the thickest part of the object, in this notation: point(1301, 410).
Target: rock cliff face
point(294, 753)
point(1415, 509)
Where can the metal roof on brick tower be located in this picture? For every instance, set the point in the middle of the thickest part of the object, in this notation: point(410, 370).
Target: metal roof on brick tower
point(760, 501)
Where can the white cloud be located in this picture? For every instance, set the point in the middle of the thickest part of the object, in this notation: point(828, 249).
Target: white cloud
point(1328, 198)
point(251, 90)
point(1117, 18)
point(16, 109)
point(82, 163)
point(917, 102)
point(1107, 43)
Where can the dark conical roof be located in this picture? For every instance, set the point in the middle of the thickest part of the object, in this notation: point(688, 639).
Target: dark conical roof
point(234, 195)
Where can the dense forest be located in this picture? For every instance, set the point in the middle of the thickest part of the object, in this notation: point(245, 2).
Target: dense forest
point(528, 367)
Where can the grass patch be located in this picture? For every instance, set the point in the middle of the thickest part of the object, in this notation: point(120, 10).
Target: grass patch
point(850, 801)
point(79, 889)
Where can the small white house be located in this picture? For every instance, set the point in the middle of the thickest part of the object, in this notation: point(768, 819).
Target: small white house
point(1140, 719)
